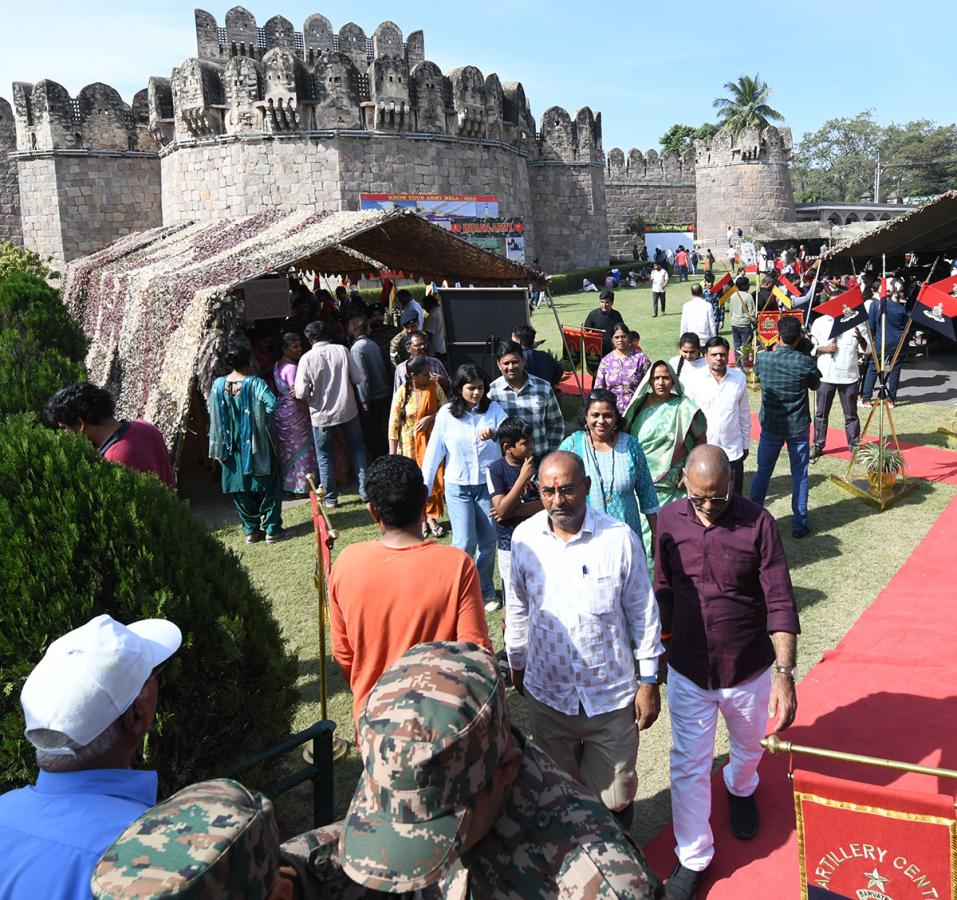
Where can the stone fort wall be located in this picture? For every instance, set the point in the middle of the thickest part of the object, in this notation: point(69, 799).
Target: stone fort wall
point(661, 188)
point(268, 116)
point(741, 181)
point(9, 187)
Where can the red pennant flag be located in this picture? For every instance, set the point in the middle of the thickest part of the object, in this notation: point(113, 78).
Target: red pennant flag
point(946, 284)
point(720, 285)
point(935, 309)
point(835, 306)
point(790, 288)
point(883, 291)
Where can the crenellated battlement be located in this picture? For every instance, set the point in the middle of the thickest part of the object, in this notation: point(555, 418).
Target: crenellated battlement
point(249, 80)
point(769, 145)
point(47, 118)
point(240, 36)
point(650, 167)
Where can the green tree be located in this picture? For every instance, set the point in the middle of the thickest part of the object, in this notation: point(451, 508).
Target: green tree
point(918, 159)
point(680, 138)
point(747, 106)
point(41, 347)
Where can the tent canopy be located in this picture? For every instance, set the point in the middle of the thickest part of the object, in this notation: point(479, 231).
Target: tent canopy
point(927, 231)
point(158, 306)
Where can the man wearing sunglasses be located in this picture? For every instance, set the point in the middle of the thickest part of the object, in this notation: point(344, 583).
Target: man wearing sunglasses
point(730, 626)
point(88, 705)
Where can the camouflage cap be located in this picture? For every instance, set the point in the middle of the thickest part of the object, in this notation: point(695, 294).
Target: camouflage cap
point(212, 839)
point(432, 734)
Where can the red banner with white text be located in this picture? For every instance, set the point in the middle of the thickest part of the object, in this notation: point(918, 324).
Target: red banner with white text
point(863, 842)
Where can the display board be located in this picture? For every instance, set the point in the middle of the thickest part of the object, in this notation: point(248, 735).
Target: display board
point(476, 319)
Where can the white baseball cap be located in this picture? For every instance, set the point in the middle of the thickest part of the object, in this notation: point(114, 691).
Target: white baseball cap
point(89, 677)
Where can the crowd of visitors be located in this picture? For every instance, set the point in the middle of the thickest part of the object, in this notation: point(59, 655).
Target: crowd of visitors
point(623, 549)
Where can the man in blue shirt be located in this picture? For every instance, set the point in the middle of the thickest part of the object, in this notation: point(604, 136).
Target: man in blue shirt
point(88, 705)
point(537, 362)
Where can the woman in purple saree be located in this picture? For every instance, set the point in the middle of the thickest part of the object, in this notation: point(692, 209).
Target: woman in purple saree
point(297, 451)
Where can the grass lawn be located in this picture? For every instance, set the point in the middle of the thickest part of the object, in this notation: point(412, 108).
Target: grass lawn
point(837, 572)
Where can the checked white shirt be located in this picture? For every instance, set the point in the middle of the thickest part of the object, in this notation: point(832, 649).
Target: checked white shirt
point(579, 613)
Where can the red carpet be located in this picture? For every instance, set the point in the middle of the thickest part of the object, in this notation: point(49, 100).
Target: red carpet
point(888, 690)
point(568, 385)
point(926, 463)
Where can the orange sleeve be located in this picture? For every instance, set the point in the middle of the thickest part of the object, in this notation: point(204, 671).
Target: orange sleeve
point(341, 649)
point(471, 624)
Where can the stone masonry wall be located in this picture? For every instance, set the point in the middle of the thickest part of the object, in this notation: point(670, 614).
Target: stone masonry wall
point(206, 180)
point(9, 189)
point(568, 208)
point(76, 203)
point(40, 208)
point(743, 181)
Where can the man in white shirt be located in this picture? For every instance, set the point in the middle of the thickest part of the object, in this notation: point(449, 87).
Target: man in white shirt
point(697, 315)
point(659, 284)
point(581, 618)
point(840, 374)
point(722, 394)
point(325, 380)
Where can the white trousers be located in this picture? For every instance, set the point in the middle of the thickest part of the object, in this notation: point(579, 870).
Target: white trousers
point(694, 717)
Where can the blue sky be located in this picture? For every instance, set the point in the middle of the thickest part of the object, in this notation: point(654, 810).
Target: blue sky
point(644, 66)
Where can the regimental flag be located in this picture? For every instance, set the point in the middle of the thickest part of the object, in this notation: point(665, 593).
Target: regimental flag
point(781, 297)
point(720, 286)
point(728, 291)
point(788, 286)
point(935, 309)
point(947, 284)
point(863, 842)
point(847, 310)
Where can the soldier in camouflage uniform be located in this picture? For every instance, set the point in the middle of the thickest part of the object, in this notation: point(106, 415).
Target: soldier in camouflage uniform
point(214, 839)
point(455, 803)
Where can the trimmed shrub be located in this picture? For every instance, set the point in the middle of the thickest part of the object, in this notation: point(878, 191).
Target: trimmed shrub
point(84, 537)
point(41, 347)
point(17, 259)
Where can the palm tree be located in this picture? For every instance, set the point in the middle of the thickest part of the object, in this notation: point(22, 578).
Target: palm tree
point(747, 106)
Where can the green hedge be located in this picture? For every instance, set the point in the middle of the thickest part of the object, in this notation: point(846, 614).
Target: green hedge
point(41, 347)
point(83, 537)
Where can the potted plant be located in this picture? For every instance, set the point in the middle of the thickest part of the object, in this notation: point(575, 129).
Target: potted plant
point(883, 464)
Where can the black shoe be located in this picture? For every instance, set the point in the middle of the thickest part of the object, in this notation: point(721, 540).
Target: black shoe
point(681, 883)
point(816, 452)
point(743, 816)
point(799, 533)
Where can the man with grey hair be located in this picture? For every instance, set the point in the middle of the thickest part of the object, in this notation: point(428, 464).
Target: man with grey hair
point(582, 635)
point(88, 705)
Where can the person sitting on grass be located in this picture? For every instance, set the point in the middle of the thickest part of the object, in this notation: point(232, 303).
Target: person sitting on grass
point(374, 620)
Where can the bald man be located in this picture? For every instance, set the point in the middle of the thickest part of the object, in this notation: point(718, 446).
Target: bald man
point(718, 552)
point(582, 635)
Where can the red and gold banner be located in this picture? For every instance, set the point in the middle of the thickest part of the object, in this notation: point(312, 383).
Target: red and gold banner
point(863, 842)
point(767, 330)
point(579, 338)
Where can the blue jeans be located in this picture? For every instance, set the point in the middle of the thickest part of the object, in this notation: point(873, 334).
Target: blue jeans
point(769, 447)
point(324, 440)
point(470, 510)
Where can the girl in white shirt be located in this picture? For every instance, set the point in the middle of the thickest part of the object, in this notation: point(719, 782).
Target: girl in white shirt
point(463, 437)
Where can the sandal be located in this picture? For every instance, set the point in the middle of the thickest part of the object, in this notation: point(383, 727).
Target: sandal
point(254, 537)
point(435, 530)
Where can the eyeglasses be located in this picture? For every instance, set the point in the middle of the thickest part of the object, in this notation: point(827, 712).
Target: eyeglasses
point(700, 501)
point(565, 490)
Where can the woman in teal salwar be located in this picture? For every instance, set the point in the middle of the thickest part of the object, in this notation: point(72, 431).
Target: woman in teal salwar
point(241, 407)
point(667, 424)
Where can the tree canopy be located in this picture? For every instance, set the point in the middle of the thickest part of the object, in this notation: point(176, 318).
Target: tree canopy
point(747, 106)
point(839, 160)
point(680, 138)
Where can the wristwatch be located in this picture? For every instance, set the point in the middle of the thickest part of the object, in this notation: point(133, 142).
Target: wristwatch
point(787, 671)
point(648, 679)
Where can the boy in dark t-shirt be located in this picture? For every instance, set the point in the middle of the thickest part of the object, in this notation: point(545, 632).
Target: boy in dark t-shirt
point(513, 488)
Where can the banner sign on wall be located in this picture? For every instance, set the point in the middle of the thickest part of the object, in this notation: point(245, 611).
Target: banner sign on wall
point(474, 217)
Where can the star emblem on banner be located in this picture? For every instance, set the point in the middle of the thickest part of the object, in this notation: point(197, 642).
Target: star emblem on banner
point(876, 879)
